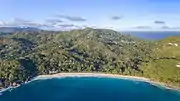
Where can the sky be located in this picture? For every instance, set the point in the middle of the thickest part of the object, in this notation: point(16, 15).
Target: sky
point(157, 15)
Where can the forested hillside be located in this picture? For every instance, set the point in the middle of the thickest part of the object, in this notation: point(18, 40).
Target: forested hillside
point(165, 63)
point(24, 55)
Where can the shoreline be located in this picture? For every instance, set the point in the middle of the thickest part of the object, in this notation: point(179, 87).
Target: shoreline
point(12, 87)
point(105, 75)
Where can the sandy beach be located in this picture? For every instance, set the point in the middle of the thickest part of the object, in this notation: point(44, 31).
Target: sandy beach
point(135, 78)
point(91, 75)
point(143, 79)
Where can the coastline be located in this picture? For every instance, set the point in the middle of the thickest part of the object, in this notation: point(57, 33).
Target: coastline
point(61, 75)
point(12, 87)
point(105, 75)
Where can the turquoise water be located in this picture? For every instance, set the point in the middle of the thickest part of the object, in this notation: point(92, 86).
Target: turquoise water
point(89, 89)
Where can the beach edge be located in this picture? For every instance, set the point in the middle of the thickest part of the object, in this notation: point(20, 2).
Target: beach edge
point(104, 75)
point(107, 75)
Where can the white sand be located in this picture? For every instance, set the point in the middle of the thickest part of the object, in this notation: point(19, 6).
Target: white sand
point(61, 75)
point(91, 75)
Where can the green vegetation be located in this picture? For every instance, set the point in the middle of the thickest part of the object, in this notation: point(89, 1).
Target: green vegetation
point(24, 55)
point(165, 64)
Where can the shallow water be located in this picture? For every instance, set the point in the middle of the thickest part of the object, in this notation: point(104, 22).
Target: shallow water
point(89, 89)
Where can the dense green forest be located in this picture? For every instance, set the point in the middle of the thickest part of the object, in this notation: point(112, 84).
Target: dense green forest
point(26, 54)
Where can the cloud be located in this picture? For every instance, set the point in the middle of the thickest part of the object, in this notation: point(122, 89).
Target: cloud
point(155, 28)
point(176, 28)
point(1, 23)
point(17, 22)
point(53, 21)
point(21, 21)
point(72, 18)
point(142, 27)
point(170, 28)
point(160, 22)
point(166, 27)
point(13, 22)
point(117, 17)
point(68, 26)
point(50, 24)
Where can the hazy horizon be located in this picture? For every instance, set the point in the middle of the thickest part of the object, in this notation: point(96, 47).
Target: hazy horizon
point(148, 15)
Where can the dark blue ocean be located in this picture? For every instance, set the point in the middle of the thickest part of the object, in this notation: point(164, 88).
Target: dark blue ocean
point(89, 89)
point(152, 35)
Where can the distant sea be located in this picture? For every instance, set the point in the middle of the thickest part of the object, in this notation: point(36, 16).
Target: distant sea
point(152, 35)
point(89, 89)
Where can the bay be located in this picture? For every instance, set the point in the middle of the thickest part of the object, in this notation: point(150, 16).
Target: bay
point(89, 89)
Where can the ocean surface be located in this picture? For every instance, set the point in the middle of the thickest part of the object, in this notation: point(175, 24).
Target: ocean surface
point(89, 89)
point(152, 35)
